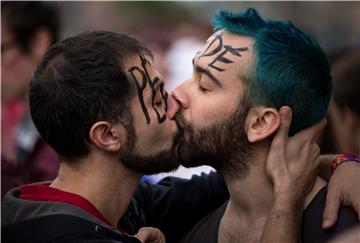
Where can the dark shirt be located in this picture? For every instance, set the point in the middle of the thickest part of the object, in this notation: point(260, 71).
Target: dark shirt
point(173, 205)
point(208, 228)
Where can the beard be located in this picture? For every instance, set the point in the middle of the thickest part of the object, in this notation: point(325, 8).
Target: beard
point(223, 146)
point(163, 161)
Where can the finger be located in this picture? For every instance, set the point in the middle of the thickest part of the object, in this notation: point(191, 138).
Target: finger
point(143, 234)
point(281, 135)
point(150, 234)
point(313, 131)
point(332, 206)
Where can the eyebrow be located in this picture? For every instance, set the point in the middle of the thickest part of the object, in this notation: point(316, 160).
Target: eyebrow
point(209, 74)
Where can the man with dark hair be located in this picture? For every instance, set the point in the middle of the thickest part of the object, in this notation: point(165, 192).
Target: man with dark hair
point(28, 30)
point(84, 97)
point(255, 66)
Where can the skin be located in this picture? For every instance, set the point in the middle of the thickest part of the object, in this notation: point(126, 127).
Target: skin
point(142, 78)
point(151, 121)
point(203, 97)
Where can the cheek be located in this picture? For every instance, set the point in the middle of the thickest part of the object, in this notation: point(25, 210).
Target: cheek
point(212, 110)
point(153, 139)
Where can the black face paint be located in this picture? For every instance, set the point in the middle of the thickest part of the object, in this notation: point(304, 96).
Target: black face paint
point(141, 86)
point(161, 118)
point(221, 57)
point(217, 38)
point(140, 89)
point(164, 96)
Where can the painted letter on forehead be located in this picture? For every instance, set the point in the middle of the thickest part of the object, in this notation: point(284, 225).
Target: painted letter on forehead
point(215, 47)
point(142, 78)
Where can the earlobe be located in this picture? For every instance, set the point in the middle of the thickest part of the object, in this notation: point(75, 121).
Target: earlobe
point(106, 136)
point(261, 123)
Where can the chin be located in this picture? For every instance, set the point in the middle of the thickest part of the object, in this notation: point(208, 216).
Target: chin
point(164, 161)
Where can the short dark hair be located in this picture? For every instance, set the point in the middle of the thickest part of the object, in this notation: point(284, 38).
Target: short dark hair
point(290, 67)
point(25, 18)
point(79, 82)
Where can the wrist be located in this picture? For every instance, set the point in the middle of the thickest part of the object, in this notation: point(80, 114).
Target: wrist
point(288, 203)
point(341, 158)
point(285, 197)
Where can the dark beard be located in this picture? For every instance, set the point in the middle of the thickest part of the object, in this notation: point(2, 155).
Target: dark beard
point(163, 161)
point(223, 146)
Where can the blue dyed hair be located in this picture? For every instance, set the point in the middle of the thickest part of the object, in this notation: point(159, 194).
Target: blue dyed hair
point(290, 68)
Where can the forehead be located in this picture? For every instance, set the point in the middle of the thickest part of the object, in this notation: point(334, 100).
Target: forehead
point(140, 70)
point(140, 67)
point(140, 61)
point(225, 53)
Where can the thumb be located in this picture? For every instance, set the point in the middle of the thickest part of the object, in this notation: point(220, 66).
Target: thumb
point(143, 235)
point(285, 119)
point(281, 135)
point(331, 209)
point(150, 234)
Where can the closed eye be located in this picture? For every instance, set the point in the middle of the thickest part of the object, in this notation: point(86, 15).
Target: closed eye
point(202, 89)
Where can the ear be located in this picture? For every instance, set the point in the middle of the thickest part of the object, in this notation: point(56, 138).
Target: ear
point(261, 123)
point(41, 41)
point(107, 136)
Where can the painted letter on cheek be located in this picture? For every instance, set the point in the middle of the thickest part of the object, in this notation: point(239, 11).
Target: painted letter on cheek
point(141, 85)
point(140, 89)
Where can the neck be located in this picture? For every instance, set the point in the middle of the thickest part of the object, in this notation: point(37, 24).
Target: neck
point(102, 180)
point(251, 195)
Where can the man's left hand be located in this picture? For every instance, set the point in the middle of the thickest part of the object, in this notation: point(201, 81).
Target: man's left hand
point(150, 235)
point(343, 189)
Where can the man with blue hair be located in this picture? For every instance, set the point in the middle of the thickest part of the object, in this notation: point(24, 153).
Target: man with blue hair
point(229, 110)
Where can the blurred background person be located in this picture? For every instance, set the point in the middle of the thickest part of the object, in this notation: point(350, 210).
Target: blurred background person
point(28, 29)
point(345, 110)
point(343, 130)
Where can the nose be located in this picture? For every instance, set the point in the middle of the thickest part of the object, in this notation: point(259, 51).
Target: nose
point(177, 100)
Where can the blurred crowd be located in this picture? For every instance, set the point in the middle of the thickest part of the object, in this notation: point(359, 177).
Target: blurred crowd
point(174, 31)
